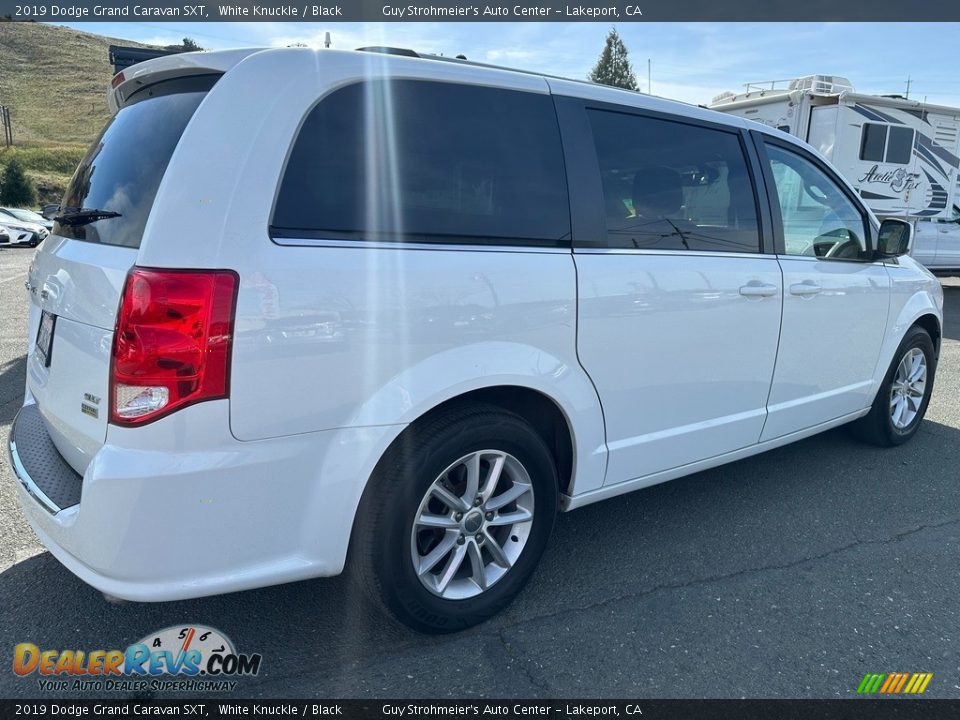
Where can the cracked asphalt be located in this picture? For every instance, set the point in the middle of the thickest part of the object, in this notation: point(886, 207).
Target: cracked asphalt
point(790, 574)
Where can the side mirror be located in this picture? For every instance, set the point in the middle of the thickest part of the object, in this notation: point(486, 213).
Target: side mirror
point(894, 238)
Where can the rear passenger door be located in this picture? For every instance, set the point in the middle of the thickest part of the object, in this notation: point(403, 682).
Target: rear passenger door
point(679, 307)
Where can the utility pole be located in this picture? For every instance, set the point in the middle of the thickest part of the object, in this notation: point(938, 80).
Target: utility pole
point(7, 125)
point(908, 87)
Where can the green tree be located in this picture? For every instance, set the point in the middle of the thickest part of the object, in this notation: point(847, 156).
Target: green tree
point(613, 66)
point(189, 45)
point(16, 189)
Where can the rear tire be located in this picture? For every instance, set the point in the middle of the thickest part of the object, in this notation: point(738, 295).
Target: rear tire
point(904, 394)
point(440, 552)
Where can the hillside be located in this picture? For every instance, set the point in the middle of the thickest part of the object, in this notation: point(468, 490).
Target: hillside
point(54, 80)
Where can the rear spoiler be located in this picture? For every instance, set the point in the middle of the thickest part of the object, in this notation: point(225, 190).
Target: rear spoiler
point(133, 78)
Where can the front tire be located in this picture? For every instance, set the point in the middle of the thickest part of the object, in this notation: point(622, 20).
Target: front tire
point(904, 394)
point(456, 519)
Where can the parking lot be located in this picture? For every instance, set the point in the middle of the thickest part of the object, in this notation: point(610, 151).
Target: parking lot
point(790, 574)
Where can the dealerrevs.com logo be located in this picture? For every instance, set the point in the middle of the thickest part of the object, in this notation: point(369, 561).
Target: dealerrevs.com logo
point(181, 657)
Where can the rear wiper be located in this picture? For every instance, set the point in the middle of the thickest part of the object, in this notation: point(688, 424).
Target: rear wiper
point(83, 216)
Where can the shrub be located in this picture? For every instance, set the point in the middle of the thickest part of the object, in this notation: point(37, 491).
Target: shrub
point(16, 189)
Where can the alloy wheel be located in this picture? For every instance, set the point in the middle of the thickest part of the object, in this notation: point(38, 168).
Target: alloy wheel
point(472, 524)
point(908, 388)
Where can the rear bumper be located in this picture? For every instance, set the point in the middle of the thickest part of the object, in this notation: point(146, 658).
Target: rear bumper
point(39, 467)
point(177, 510)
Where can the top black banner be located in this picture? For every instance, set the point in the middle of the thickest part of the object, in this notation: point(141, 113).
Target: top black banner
point(471, 11)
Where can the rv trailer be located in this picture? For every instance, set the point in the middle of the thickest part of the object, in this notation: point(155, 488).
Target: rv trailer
point(901, 155)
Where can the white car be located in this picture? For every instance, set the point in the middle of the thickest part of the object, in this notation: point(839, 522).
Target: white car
point(23, 215)
point(405, 310)
point(936, 243)
point(23, 233)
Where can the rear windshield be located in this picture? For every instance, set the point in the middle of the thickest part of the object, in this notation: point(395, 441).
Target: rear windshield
point(124, 166)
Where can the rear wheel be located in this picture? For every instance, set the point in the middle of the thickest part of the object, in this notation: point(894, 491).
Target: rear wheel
point(456, 519)
point(903, 396)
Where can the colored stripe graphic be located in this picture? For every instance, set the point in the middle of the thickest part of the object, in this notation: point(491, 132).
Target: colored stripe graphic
point(898, 681)
point(891, 682)
point(870, 683)
point(903, 680)
point(894, 683)
point(918, 683)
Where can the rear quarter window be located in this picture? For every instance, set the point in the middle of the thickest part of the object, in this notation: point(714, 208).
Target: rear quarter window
point(123, 168)
point(415, 161)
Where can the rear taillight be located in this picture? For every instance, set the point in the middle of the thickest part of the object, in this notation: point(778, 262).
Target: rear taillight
point(172, 344)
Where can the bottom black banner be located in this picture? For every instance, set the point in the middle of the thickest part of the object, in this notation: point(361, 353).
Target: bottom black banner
point(852, 709)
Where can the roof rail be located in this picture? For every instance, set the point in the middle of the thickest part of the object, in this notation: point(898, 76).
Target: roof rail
point(384, 50)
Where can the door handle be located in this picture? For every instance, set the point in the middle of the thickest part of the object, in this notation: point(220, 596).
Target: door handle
point(758, 290)
point(805, 289)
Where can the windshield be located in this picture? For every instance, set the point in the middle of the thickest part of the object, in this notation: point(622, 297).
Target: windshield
point(123, 168)
point(25, 215)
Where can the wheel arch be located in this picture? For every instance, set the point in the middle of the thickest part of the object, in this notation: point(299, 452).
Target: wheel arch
point(930, 323)
point(542, 412)
point(918, 307)
point(531, 381)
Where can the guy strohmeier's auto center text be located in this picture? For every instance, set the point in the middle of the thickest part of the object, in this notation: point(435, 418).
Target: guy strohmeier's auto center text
point(516, 11)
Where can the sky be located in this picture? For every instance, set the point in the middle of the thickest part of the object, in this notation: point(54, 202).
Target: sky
point(691, 62)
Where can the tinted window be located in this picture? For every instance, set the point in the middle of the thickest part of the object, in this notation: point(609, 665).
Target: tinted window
point(818, 218)
point(873, 141)
point(422, 161)
point(899, 145)
point(124, 166)
point(886, 143)
point(671, 186)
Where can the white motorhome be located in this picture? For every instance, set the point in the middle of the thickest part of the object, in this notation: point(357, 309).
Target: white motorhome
point(901, 155)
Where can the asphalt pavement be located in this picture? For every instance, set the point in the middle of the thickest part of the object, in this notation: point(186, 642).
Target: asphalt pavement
point(790, 574)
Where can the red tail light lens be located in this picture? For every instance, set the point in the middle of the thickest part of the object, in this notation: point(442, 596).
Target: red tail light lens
point(172, 344)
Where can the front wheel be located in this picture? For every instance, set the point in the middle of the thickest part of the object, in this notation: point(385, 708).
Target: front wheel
point(456, 519)
point(903, 396)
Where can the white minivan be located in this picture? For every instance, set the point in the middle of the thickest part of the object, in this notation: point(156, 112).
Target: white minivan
point(307, 311)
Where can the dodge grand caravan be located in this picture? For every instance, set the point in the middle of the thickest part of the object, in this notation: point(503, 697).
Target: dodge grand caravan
point(390, 314)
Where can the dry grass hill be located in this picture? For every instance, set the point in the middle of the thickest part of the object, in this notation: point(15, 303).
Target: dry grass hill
point(54, 80)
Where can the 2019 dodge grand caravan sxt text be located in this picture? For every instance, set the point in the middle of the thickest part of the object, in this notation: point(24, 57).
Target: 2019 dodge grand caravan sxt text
point(393, 313)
